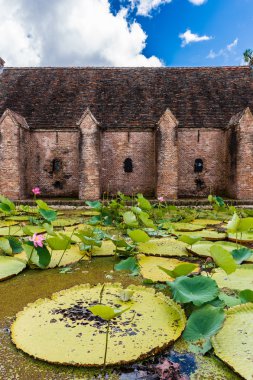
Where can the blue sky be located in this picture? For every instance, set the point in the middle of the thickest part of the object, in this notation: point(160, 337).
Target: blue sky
point(125, 32)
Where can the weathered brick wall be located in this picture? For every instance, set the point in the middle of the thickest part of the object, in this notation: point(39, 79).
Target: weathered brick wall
point(47, 146)
point(232, 144)
point(140, 147)
point(24, 159)
point(210, 146)
point(244, 162)
point(9, 157)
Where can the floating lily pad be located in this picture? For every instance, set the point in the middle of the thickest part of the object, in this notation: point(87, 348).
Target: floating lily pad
point(206, 222)
point(10, 266)
point(202, 248)
point(18, 218)
point(187, 227)
point(90, 213)
point(17, 230)
point(244, 237)
point(241, 279)
point(234, 342)
point(68, 333)
point(163, 247)
point(107, 249)
point(65, 222)
point(205, 234)
point(149, 267)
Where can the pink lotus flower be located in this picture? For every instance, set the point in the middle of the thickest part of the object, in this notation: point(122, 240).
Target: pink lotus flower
point(37, 240)
point(160, 199)
point(36, 191)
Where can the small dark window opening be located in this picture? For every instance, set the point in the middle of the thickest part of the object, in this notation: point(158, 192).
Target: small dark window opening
point(58, 185)
point(128, 165)
point(198, 166)
point(57, 164)
point(200, 184)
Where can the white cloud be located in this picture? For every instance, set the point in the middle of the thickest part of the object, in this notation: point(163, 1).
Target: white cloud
point(188, 37)
point(197, 2)
point(223, 52)
point(144, 7)
point(70, 33)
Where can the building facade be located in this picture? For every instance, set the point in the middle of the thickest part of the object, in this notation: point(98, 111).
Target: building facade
point(82, 132)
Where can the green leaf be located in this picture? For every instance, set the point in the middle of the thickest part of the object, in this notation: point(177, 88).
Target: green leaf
point(229, 301)
point(245, 225)
point(59, 242)
point(138, 236)
point(197, 290)
point(15, 244)
point(233, 224)
point(203, 324)
point(129, 264)
point(7, 202)
point(246, 295)
point(50, 229)
point(27, 231)
point(189, 239)
point(5, 208)
point(130, 219)
point(44, 256)
point(48, 215)
point(96, 205)
point(223, 259)
point(144, 217)
point(5, 246)
point(106, 312)
point(242, 254)
point(143, 203)
point(180, 270)
point(43, 205)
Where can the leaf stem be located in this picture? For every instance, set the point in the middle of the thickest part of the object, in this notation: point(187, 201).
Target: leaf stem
point(63, 253)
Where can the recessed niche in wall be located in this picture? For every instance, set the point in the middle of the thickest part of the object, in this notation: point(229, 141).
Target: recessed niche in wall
point(56, 165)
point(128, 165)
point(58, 185)
point(198, 165)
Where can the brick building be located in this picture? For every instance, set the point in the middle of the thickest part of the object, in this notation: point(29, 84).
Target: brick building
point(173, 132)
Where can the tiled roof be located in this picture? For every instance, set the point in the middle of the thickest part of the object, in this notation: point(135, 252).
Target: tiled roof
point(118, 97)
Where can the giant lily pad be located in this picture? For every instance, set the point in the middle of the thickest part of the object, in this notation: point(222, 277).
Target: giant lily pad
point(107, 249)
point(241, 279)
point(234, 342)
point(163, 247)
point(10, 266)
point(17, 230)
point(65, 222)
point(149, 267)
point(205, 234)
point(63, 330)
point(187, 227)
point(206, 222)
point(241, 237)
point(202, 248)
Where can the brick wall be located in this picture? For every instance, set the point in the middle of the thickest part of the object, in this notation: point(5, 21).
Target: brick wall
point(62, 180)
point(140, 147)
point(210, 146)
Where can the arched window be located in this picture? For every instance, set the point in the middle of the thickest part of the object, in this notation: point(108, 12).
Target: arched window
point(56, 165)
point(198, 165)
point(128, 165)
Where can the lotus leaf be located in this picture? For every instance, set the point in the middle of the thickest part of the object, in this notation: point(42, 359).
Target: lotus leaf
point(163, 247)
point(69, 333)
point(202, 248)
point(206, 234)
point(10, 266)
point(149, 267)
point(223, 259)
point(197, 290)
point(107, 249)
point(187, 227)
point(234, 342)
point(241, 279)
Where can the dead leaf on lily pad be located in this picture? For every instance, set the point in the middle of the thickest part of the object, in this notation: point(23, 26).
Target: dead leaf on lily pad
point(68, 333)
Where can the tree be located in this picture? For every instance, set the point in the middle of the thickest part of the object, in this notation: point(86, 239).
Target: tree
point(248, 56)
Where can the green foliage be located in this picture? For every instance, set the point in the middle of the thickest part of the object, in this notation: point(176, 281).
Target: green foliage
point(202, 325)
point(95, 205)
point(42, 205)
point(106, 312)
point(229, 301)
point(6, 205)
point(130, 264)
point(48, 215)
point(197, 290)
point(138, 236)
point(189, 239)
point(59, 242)
point(242, 254)
point(143, 203)
point(5, 246)
point(130, 219)
point(180, 270)
point(223, 259)
point(44, 256)
point(246, 296)
point(15, 244)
